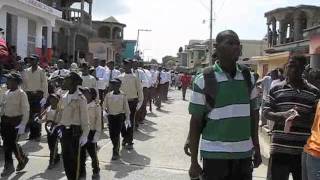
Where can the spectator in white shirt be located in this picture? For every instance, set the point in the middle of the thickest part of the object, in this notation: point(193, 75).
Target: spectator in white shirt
point(88, 81)
point(112, 73)
point(61, 70)
point(102, 77)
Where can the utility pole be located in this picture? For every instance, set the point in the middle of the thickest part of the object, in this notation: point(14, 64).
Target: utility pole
point(210, 41)
point(137, 46)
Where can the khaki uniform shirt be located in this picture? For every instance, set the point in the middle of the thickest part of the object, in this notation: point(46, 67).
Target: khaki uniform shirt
point(15, 103)
point(116, 104)
point(36, 81)
point(131, 87)
point(94, 110)
point(74, 111)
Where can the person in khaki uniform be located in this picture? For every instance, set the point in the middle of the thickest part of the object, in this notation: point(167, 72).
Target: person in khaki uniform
point(132, 88)
point(35, 84)
point(52, 133)
point(94, 111)
point(15, 114)
point(74, 125)
point(116, 105)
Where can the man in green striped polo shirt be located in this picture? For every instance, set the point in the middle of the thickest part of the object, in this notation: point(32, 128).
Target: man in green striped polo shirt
point(229, 130)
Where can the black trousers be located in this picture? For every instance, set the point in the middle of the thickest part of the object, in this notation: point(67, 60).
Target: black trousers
point(71, 151)
point(158, 95)
point(91, 148)
point(127, 134)
point(115, 125)
point(184, 91)
point(281, 165)
point(166, 91)
point(222, 169)
point(102, 94)
point(142, 112)
point(53, 145)
point(10, 140)
point(34, 99)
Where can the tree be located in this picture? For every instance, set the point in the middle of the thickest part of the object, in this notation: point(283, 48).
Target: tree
point(154, 61)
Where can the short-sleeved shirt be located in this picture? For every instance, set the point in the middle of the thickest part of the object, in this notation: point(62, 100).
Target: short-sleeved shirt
point(227, 134)
point(283, 97)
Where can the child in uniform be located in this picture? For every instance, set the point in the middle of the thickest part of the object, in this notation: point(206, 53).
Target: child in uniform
point(116, 105)
point(15, 115)
point(74, 125)
point(52, 132)
point(94, 111)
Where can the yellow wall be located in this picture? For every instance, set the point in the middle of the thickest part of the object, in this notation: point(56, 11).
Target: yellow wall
point(272, 64)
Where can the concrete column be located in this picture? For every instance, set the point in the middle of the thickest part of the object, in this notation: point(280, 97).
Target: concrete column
point(274, 32)
point(282, 31)
point(82, 10)
point(298, 32)
point(315, 61)
point(49, 42)
point(39, 39)
point(22, 37)
point(90, 9)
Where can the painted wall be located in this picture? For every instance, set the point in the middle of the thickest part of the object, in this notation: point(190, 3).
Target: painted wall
point(128, 51)
point(272, 64)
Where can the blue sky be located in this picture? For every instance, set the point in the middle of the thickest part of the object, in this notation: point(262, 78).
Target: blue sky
point(175, 22)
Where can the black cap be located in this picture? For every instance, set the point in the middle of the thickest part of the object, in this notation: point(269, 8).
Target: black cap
point(32, 57)
point(115, 81)
point(14, 76)
point(75, 76)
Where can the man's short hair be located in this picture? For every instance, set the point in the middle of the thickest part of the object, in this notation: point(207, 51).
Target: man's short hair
point(221, 36)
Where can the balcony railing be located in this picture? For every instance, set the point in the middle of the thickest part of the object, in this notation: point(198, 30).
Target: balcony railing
point(76, 16)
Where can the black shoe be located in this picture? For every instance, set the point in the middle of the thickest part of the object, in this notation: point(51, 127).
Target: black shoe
point(83, 175)
point(129, 146)
point(95, 176)
point(22, 164)
point(57, 160)
point(115, 156)
point(7, 171)
point(51, 166)
point(37, 139)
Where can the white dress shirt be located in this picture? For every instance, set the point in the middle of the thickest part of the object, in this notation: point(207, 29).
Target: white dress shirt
point(163, 77)
point(148, 76)
point(139, 73)
point(102, 75)
point(112, 74)
point(59, 72)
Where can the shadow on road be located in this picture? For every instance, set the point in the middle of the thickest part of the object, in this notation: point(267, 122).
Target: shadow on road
point(163, 111)
point(152, 115)
point(32, 146)
point(56, 173)
point(16, 176)
point(130, 161)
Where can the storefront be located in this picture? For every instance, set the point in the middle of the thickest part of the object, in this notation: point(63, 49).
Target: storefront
point(28, 26)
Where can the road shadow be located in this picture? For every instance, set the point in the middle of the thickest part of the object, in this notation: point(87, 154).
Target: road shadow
point(152, 115)
point(56, 173)
point(141, 136)
point(32, 146)
point(130, 161)
point(163, 111)
point(16, 176)
point(147, 127)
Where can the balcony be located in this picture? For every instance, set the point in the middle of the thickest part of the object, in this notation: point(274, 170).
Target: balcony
point(76, 16)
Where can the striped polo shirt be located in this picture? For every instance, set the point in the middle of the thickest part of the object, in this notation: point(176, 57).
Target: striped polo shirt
point(227, 134)
point(284, 97)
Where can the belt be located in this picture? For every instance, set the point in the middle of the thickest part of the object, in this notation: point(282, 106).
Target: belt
point(135, 99)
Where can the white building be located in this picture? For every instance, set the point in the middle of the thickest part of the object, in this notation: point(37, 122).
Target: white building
point(28, 25)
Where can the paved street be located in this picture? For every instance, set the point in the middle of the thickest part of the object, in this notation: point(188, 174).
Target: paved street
point(158, 151)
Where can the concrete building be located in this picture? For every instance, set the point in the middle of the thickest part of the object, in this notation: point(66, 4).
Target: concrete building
point(49, 28)
point(107, 42)
point(285, 34)
point(196, 54)
point(73, 30)
point(313, 34)
point(28, 25)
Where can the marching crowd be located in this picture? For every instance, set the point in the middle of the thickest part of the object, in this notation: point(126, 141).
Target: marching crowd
point(73, 104)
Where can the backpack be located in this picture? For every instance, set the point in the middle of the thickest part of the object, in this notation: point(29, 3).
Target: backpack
point(211, 86)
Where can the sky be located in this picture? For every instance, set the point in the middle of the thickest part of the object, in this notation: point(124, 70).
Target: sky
point(175, 22)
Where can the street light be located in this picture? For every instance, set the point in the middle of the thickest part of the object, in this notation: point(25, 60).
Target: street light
point(142, 30)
